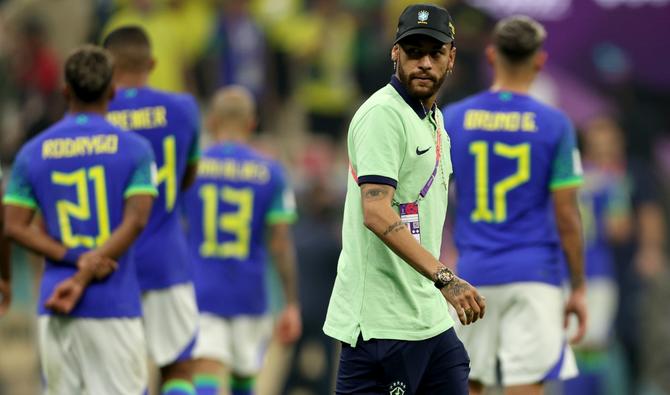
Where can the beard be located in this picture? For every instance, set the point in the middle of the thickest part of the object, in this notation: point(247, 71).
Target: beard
point(420, 85)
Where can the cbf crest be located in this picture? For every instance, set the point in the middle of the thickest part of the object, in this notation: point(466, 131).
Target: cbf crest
point(423, 17)
point(397, 388)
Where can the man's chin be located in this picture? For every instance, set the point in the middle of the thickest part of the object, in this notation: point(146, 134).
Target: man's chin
point(421, 92)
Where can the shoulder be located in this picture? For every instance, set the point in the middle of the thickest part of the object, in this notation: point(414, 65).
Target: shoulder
point(452, 109)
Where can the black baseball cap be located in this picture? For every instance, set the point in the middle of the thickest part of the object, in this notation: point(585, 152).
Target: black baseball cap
point(426, 19)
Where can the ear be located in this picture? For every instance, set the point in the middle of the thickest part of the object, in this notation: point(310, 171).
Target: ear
point(540, 60)
point(210, 123)
point(111, 91)
point(452, 57)
point(491, 55)
point(395, 52)
point(67, 92)
point(152, 64)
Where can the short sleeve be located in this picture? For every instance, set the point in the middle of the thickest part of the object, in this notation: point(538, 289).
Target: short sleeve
point(193, 113)
point(19, 189)
point(282, 207)
point(143, 180)
point(377, 146)
point(567, 166)
point(194, 152)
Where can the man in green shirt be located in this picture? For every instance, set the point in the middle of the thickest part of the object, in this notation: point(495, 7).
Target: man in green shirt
point(389, 303)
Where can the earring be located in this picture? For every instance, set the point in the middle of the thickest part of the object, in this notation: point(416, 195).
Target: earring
point(395, 66)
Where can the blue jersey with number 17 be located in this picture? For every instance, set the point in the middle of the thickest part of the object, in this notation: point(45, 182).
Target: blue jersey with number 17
point(509, 151)
point(238, 193)
point(170, 122)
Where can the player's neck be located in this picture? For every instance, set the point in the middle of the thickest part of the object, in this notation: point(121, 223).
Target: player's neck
point(130, 80)
point(230, 136)
point(519, 82)
point(77, 107)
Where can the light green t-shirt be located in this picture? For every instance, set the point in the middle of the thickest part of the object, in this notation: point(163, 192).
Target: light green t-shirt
point(393, 141)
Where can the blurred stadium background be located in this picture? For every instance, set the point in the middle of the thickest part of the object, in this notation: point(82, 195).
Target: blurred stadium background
point(310, 63)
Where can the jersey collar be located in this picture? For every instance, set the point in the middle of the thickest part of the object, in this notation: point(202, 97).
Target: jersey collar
point(415, 104)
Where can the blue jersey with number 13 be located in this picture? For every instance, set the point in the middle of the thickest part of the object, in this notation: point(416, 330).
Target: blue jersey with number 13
point(509, 151)
point(238, 193)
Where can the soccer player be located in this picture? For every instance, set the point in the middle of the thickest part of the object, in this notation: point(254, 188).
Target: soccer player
point(517, 173)
point(170, 122)
point(606, 208)
point(239, 210)
point(389, 305)
point(94, 187)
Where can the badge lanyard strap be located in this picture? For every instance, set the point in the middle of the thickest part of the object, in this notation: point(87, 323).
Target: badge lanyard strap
point(429, 183)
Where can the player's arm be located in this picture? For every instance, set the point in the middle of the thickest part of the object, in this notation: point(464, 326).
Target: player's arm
point(282, 250)
point(5, 270)
point(194, 150)
point(380, 217)
point(135, 217)
point(566, 178)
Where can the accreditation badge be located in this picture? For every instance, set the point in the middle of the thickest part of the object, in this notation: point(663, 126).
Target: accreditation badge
point(409, 215)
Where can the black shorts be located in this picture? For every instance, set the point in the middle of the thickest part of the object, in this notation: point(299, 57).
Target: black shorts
point(439, 365)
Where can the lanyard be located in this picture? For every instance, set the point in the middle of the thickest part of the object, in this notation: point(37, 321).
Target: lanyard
point(429, 183)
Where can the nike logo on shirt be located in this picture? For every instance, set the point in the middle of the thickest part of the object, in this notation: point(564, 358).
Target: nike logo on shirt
point(421, 152)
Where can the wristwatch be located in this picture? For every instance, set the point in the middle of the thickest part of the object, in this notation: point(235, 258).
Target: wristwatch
point(443, 277)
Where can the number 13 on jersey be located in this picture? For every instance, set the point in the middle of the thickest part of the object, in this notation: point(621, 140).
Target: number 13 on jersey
point(480, 150)
point(236, 222)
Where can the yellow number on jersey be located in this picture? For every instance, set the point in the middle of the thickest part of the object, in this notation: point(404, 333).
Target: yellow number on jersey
point(168, 172)
point(81, 210)
point(237, 223)
point(480, 150)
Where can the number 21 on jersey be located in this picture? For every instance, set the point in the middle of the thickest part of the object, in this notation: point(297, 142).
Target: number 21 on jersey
point(81, 209)
point(480, 150)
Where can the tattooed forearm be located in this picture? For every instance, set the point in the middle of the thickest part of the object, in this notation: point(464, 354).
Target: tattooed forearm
point(393, 228)
point(456, 288)
point(375, 193)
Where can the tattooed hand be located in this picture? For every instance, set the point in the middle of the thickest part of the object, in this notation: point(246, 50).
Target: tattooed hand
point(469, 304)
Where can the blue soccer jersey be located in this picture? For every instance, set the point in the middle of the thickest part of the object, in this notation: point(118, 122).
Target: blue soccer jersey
point(170, 122)
point(78, 174)
point(509, 152)
point(603, 196)
point(237, 193)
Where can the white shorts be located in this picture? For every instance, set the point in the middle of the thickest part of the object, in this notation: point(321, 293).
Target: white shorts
point(601, 302)
point(523, 330)
point(171, 323)
point(92, 356)
point(239, 343)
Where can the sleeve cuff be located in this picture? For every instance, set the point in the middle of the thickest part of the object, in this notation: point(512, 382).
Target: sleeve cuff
point(19, 201)
point(281, 218)
point(141, 190)
point(567, 183)
point(372, 179)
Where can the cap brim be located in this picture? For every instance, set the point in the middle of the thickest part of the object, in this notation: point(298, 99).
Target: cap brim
point(439, 36)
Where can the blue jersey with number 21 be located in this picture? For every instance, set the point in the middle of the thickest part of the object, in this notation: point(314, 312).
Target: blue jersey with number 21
point(238, 193)
point(78, 174)
point(509, 152)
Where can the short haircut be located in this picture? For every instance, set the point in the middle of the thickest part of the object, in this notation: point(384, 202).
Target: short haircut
point(130, 46)
point(233, 103)
point(517, 38)
point(88, 72)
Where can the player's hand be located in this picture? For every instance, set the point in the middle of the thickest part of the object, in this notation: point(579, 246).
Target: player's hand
point(96, 265)
point(66, 295)
point(5, 296)
point(289, 325)
point(469, 304)
point(576, 305)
